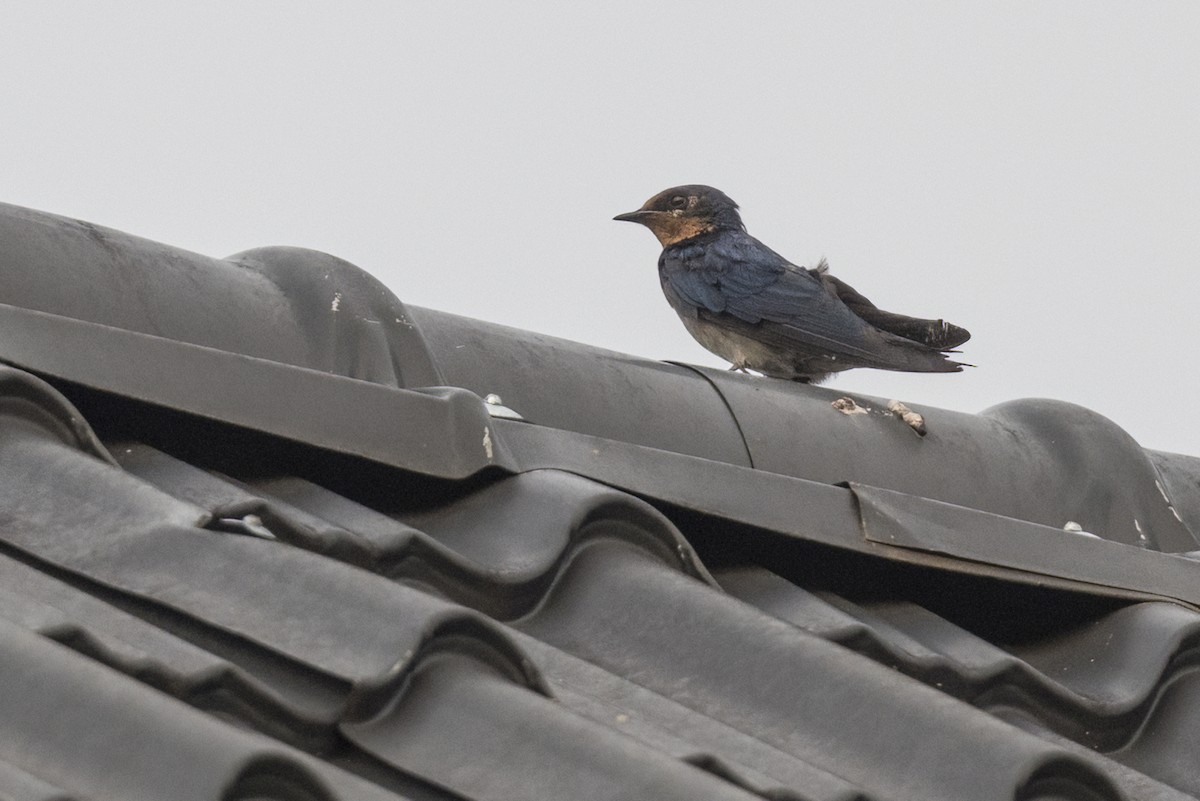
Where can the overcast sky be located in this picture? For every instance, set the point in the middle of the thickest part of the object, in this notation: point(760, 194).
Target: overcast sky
point(1030, 171)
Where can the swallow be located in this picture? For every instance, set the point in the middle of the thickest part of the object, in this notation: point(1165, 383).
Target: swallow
point(755, 309)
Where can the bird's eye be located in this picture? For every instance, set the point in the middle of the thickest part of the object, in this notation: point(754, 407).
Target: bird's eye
point(678, 202)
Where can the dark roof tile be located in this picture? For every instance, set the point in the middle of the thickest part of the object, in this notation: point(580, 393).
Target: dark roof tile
point(463, 727)
point(146, 746)
point(636, 617)
point(305, 560)
point(287, 305)
point(673, 728)
point(560, 384)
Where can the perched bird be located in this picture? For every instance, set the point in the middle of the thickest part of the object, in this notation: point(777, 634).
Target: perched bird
point(749, 305)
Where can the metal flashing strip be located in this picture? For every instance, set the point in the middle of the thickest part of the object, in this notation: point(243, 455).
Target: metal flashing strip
point(444, 432)
point(908, 521)
point(880, 523)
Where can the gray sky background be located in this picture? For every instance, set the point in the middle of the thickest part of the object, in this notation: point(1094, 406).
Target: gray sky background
point(1028, 170)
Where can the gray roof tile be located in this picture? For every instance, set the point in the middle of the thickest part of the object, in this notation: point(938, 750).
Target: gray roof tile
point(255, 543)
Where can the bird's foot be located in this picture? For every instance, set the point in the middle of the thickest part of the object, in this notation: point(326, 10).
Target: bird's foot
point(739, 367)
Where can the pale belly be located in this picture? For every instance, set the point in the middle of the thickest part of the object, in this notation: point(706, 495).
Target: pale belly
point(743, 352)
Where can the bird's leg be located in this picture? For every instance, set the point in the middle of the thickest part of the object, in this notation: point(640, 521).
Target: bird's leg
point(739, 367)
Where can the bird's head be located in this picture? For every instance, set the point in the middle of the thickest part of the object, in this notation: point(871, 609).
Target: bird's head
point(683, 212)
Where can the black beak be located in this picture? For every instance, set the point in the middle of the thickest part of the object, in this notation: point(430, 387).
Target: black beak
point(638, 216)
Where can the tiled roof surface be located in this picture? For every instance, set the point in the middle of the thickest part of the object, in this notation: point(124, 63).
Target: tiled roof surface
point(261, 537)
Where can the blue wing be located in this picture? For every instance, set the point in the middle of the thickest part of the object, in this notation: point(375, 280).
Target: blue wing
point(734, 274)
